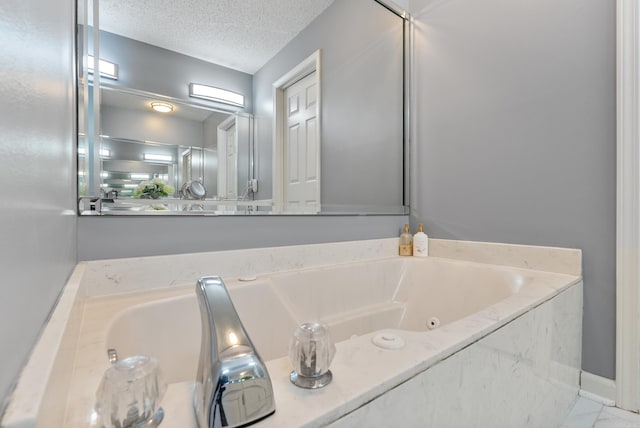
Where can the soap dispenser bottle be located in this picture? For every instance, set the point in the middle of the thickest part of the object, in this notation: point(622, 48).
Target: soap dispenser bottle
point(420, 243)
point(406, 242)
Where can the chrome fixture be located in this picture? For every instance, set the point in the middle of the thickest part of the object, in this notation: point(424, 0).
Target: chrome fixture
point(113, 355)
point(193, 189)
point(233, 387)
point(311, 351)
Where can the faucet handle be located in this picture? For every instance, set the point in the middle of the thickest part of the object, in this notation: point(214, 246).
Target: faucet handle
point(311, 351)
point(130, 392)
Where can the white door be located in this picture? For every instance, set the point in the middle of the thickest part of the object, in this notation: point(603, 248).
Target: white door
point(301, 147)
point(228, 159)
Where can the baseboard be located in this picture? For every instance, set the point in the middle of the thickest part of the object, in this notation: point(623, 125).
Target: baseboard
point(598, 388)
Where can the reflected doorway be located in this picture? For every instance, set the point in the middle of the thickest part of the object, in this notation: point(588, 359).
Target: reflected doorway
point(228, 159)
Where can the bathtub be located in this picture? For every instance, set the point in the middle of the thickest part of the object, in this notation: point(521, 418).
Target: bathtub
point(484, 345)
point(352, 300)
point(435, 306)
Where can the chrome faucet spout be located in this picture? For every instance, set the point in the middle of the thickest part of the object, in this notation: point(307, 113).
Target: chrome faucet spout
point(233, 388)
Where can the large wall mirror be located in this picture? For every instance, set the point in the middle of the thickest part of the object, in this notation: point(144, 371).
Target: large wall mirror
point(237, 108)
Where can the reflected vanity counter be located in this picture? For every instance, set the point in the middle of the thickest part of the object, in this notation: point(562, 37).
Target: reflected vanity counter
point(491, 333)
point(171, 206)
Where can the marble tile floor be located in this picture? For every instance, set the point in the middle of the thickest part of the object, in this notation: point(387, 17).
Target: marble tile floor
point(587, 413)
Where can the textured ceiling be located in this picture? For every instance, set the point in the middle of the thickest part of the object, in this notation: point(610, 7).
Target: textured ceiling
point(240, 34)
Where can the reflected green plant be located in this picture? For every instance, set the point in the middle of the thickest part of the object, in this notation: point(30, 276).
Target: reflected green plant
point(154, 189)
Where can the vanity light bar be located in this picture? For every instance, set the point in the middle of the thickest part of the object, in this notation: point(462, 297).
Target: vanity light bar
point(107, 69)
point(153, 157)
point(215, 94)
point(135, 176)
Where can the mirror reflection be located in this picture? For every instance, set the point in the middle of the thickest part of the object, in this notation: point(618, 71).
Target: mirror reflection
point(315, 128)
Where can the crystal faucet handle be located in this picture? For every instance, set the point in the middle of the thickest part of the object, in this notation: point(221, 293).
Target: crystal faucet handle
point(130, 393)
point(311, 351)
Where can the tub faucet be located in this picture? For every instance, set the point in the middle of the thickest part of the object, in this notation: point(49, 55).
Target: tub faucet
point(233, 387)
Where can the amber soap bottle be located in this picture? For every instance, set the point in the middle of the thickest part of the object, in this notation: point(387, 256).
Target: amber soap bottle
point(406, 242)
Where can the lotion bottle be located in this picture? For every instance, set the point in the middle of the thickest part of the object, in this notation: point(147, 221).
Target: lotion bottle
point(420, 243)
point(406, 242)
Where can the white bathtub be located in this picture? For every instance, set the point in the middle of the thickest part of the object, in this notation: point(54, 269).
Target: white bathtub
point(398, 295)
point(352, 300)
point(507, 352)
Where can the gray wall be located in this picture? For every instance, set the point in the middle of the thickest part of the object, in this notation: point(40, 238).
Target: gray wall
point(37, 172)
point(516, 135)
point(118, 236)
point(361, 90)
point(149, 126)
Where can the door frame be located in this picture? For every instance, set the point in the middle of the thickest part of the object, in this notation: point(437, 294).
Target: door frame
point(307, 66)
point(628, 205)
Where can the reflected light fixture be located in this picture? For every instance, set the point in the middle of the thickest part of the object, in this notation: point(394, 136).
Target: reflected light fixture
point(103, 152)
point(135, 176)
point(162, 107)
point(107, 69)
point(154, 157)
point(211, 93)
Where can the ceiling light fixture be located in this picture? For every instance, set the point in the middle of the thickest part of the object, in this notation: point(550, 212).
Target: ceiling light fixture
point(215, 94)
point(162, 107)
point(107, 68)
